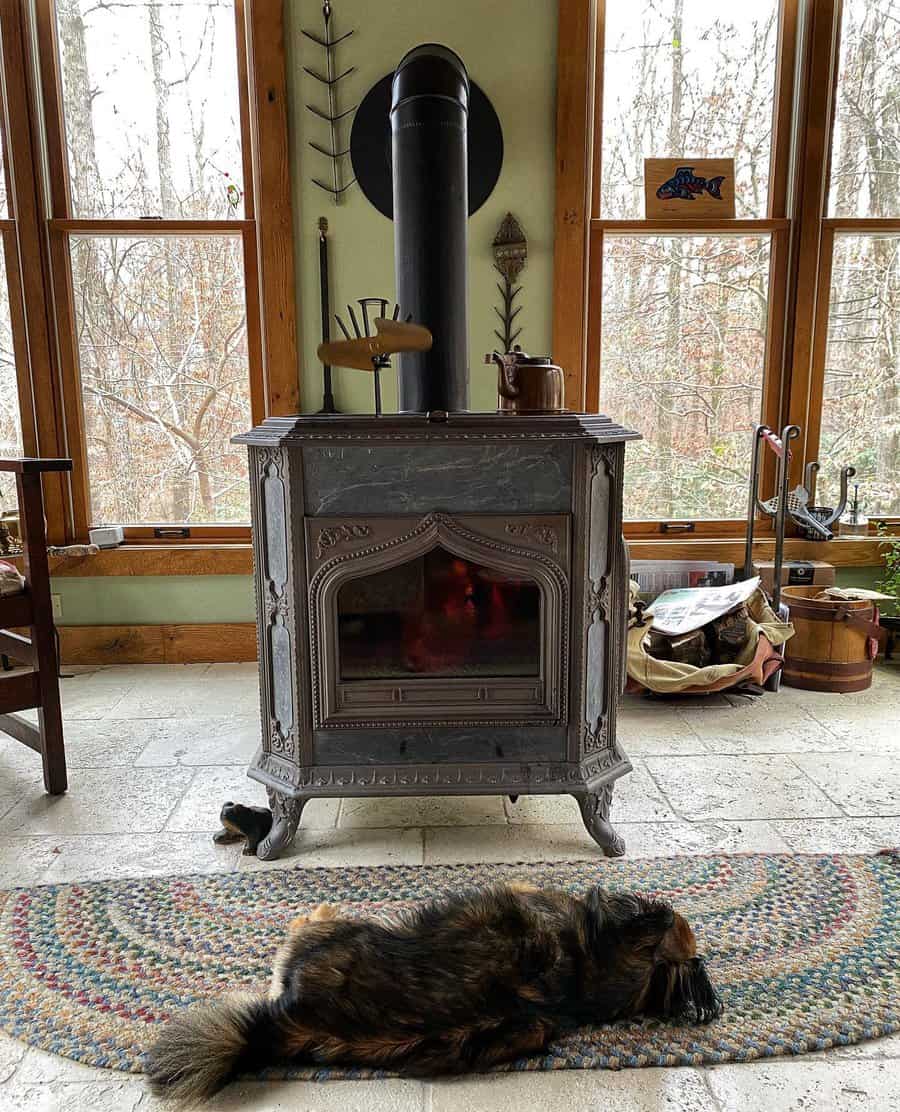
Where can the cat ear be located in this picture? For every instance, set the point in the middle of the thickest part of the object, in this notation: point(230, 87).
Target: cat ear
point(636, 919)
point(648, 922)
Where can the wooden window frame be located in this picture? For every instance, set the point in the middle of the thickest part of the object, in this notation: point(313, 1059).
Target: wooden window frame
point(818, 231)
point(266, 232)
point(580, 230)
point(31, 319)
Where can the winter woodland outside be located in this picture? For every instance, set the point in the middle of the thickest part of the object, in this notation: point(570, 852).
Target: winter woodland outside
point(152, 124)
point(684, 317)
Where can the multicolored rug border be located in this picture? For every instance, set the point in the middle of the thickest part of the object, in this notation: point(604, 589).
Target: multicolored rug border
point(804, 947)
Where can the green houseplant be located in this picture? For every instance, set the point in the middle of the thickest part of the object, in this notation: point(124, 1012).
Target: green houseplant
point(890, 582)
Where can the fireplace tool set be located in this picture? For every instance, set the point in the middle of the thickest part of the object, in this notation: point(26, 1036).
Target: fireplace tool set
point(814, 522)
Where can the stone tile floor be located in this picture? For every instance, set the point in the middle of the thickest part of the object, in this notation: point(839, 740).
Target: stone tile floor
point(154, 751)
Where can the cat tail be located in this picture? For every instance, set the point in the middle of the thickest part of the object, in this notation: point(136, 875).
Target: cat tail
point(714, 187)
point(204, 1047)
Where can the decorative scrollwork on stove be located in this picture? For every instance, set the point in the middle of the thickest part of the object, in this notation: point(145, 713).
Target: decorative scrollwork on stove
point(604, 455)
point(336, 535)
point(266, 458)
point(275, 768)
point(531, 530)
point(333, 779)
point(276, 603)
point(602, 761)
point(596, 602)
point(595, 807)
point(278, 743)
point(594, 735)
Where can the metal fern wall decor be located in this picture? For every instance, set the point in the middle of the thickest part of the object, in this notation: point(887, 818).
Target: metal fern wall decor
point(331, 114)
point(510, 254)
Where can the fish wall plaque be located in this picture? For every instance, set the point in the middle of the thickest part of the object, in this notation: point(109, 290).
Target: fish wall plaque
point(689, 188)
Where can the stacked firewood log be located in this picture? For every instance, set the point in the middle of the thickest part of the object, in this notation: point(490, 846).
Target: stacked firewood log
point(718, 642)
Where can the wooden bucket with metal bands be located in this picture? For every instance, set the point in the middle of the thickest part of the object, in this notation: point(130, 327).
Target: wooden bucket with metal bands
point(831, 649)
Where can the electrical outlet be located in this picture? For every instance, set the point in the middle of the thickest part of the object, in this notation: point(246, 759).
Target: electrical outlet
point(56, 601)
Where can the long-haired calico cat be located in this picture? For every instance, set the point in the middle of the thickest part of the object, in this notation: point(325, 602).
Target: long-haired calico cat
point(457, 984)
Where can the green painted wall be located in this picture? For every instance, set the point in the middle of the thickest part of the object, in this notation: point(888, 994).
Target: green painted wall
point(510, 51)
point(155, 599)
point(191, 599)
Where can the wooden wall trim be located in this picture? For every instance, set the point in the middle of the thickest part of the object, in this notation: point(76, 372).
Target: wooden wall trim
point(273, 204)
point(820, 58)
point(575, 65)
point(32, 320)
point(218, 643)
point(201, 559)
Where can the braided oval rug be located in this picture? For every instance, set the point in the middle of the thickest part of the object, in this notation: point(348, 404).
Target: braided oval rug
point(805, 951)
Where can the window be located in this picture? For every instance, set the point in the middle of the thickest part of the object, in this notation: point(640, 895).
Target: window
point(10, 416)
point(861, 397)
point(684, 78)
point(161, 324)
point(151, 108)
point(680, 327)
point(146, 300)
point(691, 331)
point(683, 350)
point(150, 239)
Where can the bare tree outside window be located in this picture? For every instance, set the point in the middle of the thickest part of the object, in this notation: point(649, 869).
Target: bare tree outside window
point(865, 163)
point(161, 329)
point(683, 341)
point(684, 318)
point(152, 123)
point(687, 79)
point(150, 100)
point(860, 419)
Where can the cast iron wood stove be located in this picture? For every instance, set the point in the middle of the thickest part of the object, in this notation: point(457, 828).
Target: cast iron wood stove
point(441, 594)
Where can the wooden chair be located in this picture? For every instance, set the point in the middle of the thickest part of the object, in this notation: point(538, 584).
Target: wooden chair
point(33, 609)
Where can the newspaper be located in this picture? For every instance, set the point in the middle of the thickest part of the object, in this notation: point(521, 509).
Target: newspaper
point(687, 609)
point(655, 576)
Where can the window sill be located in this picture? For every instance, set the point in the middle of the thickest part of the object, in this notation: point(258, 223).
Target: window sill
point(842, 552)
point(237, 559)
point(158, 559)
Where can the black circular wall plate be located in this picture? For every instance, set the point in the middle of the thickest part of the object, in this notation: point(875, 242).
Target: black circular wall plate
point(370, 147)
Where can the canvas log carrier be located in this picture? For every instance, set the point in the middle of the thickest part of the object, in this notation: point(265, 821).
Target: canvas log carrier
point(834, 642)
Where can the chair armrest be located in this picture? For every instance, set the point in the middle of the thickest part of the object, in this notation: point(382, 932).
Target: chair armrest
point(31, 466)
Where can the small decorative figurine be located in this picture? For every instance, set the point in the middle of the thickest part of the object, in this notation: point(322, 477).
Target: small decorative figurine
point(242, 823)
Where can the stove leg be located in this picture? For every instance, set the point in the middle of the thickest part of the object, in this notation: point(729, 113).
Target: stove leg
point(595, 813)
point(286, 814)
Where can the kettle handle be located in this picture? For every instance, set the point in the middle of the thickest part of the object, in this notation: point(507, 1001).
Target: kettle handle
point(506, 384)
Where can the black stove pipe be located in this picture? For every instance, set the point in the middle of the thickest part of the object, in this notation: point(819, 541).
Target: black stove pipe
point(429, 117)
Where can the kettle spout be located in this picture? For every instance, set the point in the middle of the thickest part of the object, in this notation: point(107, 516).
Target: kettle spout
point(507, 386)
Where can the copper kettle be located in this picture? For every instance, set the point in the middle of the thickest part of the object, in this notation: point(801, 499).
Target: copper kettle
point(527, 383)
